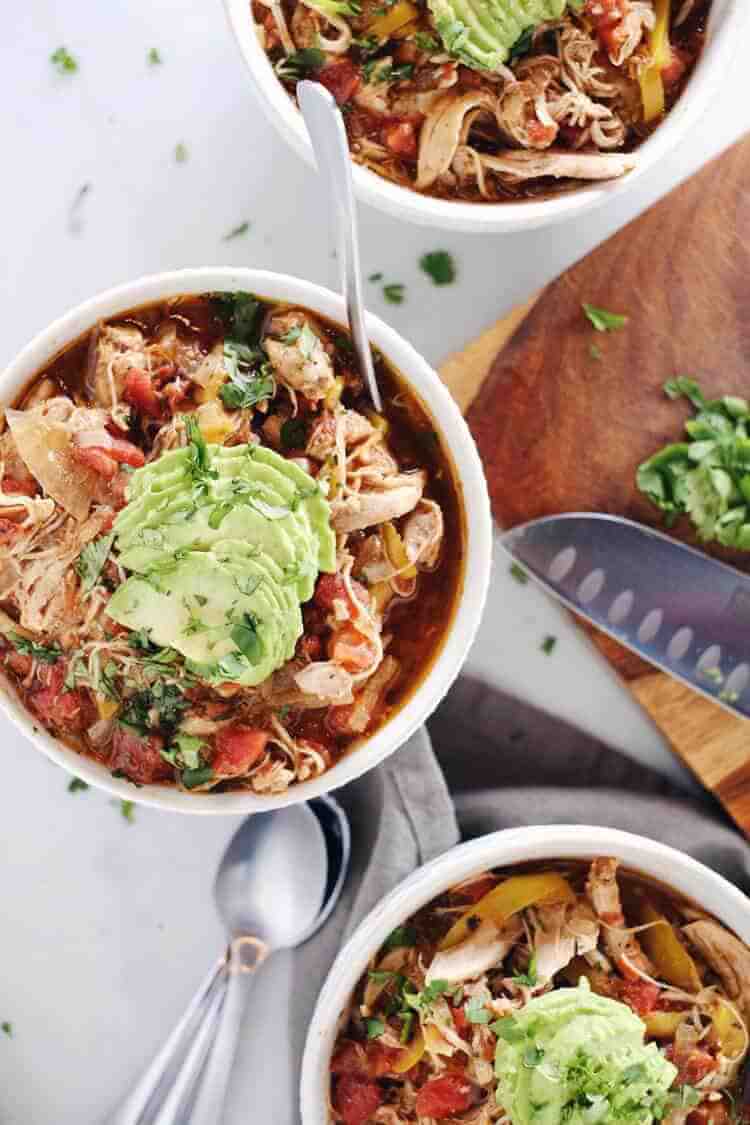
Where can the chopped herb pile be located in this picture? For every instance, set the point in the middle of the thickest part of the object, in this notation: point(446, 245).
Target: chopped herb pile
point(706, 477)
point(439, 265)
point(603, 320)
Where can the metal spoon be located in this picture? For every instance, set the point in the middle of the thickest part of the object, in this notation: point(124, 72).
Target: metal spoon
point(278, 881)
point(328, 135)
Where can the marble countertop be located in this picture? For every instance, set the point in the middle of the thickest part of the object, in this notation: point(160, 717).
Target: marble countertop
point(107, 924)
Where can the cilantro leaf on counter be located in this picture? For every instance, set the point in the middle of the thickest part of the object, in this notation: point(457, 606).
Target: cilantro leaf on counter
point(548, 645)
point(439, 265)
point(400, 937)
point(529, 978)
point(76, 785)
point(237, 232)
point(153, 56)
point(374, 1028)
point(603, 320)
point(394, 293)
point(516, 571)
point(63, 61)
point(180, 152)
point(127, 811)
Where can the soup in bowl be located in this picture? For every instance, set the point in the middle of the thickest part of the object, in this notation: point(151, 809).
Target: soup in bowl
point(228, 582)
point(493, 117)
point(540, 975)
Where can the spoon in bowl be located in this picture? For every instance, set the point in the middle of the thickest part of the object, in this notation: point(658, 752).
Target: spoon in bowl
point(328, 135)
point(278, 881)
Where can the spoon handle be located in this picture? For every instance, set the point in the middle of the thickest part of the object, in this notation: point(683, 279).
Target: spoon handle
point(244, 956)
point(326, 128)
point(145, 1101)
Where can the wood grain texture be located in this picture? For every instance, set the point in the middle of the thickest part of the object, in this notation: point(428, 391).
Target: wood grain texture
point(561, 430)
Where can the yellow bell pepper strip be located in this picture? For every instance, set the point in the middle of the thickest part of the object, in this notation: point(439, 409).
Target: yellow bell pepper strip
point(380, 595)
point(652, 86)
point(662, 1025)
point(397, 16)
point(410, 1055)
point(670, 958)
point(107, 708)
point(407, 30)
point(728, 1029)
point(507, 899)
point(396, 551)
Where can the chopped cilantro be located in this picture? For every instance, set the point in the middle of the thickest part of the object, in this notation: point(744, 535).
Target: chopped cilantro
point(199, 462)
point(247, 388)
point(237, 232)
point(180, 152)
point(439, 265)
point(603, 320)
point(548, 644)
point(76, 785)
point(63, 61)
point(241, 315)
point(476, 1011)
point(529, 978)
point(46, 654)
point(374, 1028)
point(394, 293)
point(426, 42)
point(90, 562)
point(401, 937)
point(191, 779)
point(294, 433)
point(522, 45)
point(508, 1030)
point(127, 811)
point(517, 572)
point(245, 636)
point(300, 64)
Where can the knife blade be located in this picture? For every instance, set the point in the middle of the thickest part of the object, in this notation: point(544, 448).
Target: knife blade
point(676, 607)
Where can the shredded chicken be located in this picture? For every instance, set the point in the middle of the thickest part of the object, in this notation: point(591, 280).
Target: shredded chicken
point(726, 955)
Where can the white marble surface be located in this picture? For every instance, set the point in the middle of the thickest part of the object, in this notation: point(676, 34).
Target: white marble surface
point(106, 925)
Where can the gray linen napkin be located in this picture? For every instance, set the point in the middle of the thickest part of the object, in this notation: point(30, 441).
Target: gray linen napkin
point(506, 765)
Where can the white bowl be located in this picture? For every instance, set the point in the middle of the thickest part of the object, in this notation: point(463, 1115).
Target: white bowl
point(728, 17)
point(470, 481)
point(516, 845)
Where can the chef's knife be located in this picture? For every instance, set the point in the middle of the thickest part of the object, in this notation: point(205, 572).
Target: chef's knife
point(676, 607)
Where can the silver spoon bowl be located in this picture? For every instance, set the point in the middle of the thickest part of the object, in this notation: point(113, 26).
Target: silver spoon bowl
point(279, 879)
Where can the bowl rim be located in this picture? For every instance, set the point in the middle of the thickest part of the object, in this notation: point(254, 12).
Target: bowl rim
point(472, 489)
point(512, 845)
point(726, 21)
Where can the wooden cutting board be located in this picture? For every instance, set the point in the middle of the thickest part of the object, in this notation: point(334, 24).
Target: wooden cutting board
point(561, 429)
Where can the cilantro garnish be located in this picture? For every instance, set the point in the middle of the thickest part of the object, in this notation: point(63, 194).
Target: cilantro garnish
point(508, 1030)
point(529, 978)
point(46, 654)
point(402, 936)
point(245, 636)
point(76, 785)
point(707, 476)
point(63, 61)
point(300, 64)
point(374, 1028)
point(439, 265)
point(476, 1011)
point(548, 645)
point(394, 293)
point(426, 42)
point(186, 754)
point(237, 232)
point(199, 461)
point(522, 45)
point(90, 562)
point(603, 320)
point(516, 571)
point(246, 388)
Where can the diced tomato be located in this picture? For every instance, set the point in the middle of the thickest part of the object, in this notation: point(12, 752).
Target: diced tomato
point(692, 1065)
point(26, 487)
point(138, 756)
point(64, 710)
point(141, 393)
point(125, 453)
point(236, 749)
point(356, 1098)
point(401, 139)
point(96, 459)
point(310, 646)
point(640, 995)
point(442, 1097)
point(349, 648)
point(463, 1027)
point(330, 588)
point(342, 78)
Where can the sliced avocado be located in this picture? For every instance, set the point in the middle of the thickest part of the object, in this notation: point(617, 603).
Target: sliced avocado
point(194, 608)
point(482, 33)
